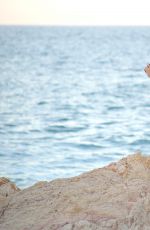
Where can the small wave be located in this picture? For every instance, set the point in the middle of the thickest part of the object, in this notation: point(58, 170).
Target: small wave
point(140, 142)
point(62, 129)
point(10, 125)
point(42, 102)
point(86, 146)
point(110, 108)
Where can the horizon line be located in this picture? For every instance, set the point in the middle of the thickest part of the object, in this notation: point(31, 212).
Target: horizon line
point(77, 25)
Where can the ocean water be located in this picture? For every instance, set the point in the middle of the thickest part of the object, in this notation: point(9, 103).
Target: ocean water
point(71, 99)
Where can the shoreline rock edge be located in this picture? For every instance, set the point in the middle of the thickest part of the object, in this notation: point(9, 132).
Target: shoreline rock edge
point(116, 196)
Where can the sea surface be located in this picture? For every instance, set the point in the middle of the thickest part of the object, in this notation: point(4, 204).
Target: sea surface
point(71, 99)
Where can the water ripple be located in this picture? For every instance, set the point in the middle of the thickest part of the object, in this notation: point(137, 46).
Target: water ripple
point(68, 107)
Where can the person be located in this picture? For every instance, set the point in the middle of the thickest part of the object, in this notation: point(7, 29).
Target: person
point(147, 70)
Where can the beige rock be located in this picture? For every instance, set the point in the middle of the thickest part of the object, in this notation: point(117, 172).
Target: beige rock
point(7, 187)
point(115, 197)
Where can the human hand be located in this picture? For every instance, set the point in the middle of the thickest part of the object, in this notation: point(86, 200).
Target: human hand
point(147, 70)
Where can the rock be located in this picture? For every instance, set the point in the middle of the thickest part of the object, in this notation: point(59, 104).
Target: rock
point(113, 197)
point(7, 187)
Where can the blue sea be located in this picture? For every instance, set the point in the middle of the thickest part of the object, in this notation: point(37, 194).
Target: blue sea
point(71, 99)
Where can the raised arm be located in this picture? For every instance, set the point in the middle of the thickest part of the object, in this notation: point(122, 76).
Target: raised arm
point(147, 70)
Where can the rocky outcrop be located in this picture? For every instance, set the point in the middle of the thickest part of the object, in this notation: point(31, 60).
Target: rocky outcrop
point(114, 197)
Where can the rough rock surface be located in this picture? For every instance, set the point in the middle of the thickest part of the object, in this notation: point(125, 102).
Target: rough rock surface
point(114, 197)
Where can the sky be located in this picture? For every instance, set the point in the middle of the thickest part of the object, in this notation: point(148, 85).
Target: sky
point(75, 12)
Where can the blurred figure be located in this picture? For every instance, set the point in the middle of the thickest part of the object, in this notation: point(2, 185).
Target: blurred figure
point(147, 70)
